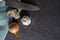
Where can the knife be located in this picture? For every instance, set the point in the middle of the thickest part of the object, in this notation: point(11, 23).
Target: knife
point(19, 4)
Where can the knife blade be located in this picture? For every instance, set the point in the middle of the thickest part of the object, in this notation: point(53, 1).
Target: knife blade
point(24, 6)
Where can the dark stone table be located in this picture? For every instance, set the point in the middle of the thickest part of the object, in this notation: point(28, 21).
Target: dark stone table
point(45, 22)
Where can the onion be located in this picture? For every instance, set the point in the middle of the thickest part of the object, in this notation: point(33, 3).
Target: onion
point(14, 29)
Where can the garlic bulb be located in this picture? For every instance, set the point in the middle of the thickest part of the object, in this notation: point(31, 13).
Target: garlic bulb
point(14, 29)
point(13, 13)
point(26, 20)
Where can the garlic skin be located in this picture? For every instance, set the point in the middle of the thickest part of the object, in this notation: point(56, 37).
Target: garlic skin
point(26, 20)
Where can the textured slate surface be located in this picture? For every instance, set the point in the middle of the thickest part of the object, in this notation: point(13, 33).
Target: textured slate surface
point(45, 23)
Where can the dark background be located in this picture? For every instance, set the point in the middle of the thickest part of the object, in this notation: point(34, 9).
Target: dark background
point(45, 22)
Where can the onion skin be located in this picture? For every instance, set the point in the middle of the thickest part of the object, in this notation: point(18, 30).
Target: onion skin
point(14, 29)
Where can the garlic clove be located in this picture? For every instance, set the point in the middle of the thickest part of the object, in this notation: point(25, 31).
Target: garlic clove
point(26, 20)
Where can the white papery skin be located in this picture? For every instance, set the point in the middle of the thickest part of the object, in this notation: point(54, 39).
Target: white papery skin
point(26, 20)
